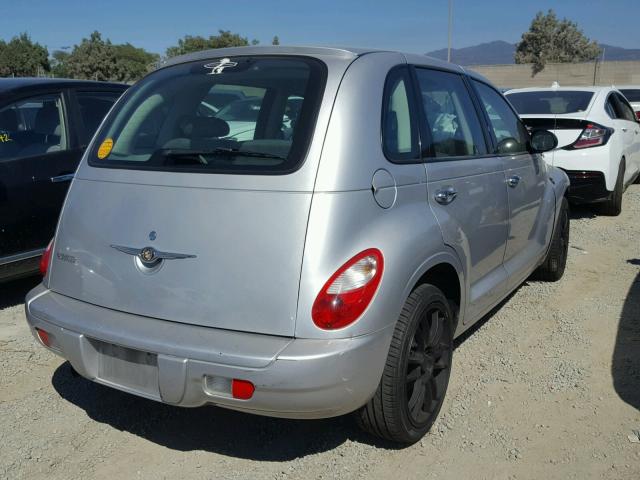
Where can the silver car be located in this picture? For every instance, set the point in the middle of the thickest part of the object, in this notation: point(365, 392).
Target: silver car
point(321, 267)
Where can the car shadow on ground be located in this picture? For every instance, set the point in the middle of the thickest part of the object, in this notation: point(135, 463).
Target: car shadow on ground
point(625, 365)
point(577, 212)
point(209, 428)
point(12, 293)
point(217, 429)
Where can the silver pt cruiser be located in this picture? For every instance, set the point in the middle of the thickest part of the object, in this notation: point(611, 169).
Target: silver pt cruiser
point(298, 232)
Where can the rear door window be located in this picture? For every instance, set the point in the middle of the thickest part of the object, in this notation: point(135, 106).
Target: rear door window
point(231, 115)
point(451, 119)
point(510, 134)
point(32, 126)
point(93, 108)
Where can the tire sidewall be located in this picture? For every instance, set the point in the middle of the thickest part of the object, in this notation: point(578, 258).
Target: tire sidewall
point(429, 295)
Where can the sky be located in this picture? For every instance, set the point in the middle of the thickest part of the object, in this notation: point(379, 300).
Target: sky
point(415, 26)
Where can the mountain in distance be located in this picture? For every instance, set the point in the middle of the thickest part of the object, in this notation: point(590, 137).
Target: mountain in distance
point(501, 53)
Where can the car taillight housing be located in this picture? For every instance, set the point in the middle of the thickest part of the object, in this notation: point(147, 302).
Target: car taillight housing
point(45, 260)
point(593, 135)
point(349, 291)
point(638, 115)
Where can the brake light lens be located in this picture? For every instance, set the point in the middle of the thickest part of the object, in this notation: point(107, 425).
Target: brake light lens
point(349, 291)
point(242, 389)
point(638, 115)
point(593, 136)
point(45, 261)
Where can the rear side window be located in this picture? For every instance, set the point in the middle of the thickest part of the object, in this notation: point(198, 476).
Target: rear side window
point(548, 102)
point(93, 108)
point(510, 134)
point(626, 112)
point(399, 132)
point(32, 126)
point(452, 121)
point(251, 115)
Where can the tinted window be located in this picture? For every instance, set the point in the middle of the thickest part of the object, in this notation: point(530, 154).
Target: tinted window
point(548, 102)
point(93, 107)
point(174, 119)
point(633, 95)
point(452, 122)
point(33, 126)
point(400, 138)
point(626, 112)
point(511, 136)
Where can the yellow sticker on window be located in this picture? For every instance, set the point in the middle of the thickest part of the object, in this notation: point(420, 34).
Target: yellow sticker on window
point(105, 148)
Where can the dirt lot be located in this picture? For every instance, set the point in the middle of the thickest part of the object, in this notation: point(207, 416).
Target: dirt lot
point(546, 387)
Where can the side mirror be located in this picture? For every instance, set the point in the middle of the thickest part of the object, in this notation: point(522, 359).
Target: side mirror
point(543, 141)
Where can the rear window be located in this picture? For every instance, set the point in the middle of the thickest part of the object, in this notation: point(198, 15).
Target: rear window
point(632, 94)
point(550, 102)
point(251, 115)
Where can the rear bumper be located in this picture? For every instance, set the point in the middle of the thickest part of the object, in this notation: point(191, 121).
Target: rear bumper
point(587, 186)
point(294, 378)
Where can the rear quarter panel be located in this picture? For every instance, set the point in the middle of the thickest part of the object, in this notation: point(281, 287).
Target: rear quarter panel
point(344, 217)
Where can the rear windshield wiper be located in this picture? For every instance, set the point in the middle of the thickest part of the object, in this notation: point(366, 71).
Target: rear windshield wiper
point(218, 152)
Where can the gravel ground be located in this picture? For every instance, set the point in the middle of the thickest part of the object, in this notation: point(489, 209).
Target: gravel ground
point(548, 386)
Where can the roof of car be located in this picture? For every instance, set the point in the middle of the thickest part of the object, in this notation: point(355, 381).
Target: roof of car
point(559, 89)
point(347, 53)
point(9, 85)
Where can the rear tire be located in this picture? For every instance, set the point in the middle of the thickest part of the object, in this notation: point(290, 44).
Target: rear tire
point(613, 206)
point(416, 374)
point(554, 264)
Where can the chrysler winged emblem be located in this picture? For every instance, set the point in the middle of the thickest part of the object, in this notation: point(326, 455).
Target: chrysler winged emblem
point(150, 254)
point(219, 66)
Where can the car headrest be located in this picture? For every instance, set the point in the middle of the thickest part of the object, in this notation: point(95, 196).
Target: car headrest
point(9, 120)
point(204, 127)
point(47, 119)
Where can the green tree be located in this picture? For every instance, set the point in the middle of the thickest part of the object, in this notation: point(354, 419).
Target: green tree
point(20, 57)
point(550, 40)
point(98, 59)
point(93, 59)
point(275, 41)
point(197, 43)
point(59, 64)
point(132, 63)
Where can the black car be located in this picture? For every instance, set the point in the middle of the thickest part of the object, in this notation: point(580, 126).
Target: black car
point(45, 125)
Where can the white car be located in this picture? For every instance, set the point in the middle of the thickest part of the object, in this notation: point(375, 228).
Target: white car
point(632, 93)
point(598, 138)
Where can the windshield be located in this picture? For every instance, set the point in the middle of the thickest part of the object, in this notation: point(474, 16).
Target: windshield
point(233, 115)
point(546, 102)
point(632, 94)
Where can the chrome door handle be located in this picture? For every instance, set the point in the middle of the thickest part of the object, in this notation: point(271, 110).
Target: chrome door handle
point(446, 195)
point(62, 178)
point(513, 181)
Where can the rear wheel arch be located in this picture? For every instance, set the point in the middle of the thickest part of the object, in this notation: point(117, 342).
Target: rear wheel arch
point(448, 279)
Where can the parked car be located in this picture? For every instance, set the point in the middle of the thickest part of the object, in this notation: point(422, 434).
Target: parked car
point(300, 277)
point(598, 134)
point(632, 94)
point(45, 125)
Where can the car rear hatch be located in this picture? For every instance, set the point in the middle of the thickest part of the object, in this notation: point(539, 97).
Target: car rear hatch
point(197, 227)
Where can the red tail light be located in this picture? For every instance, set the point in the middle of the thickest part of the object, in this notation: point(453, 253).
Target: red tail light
point(349, 291)
point(242, 389)
point(44, 337)
point(45, 261)
point(592, 136)
point(638, 115)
